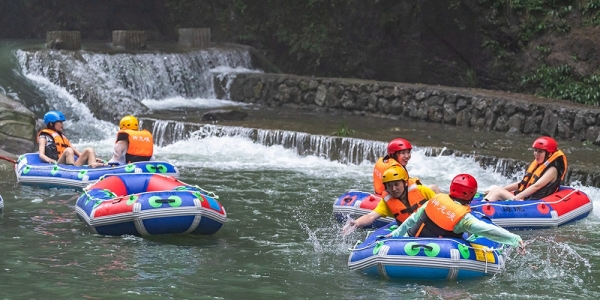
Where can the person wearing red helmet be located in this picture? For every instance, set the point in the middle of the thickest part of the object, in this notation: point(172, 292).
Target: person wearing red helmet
point(449, 215)
point(398, 154)
point(543, 176)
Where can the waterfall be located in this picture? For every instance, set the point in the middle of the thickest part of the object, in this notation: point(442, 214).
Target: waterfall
point(111, 84)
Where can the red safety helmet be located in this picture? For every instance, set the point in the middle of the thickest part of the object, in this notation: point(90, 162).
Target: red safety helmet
point(398, 144)
point(545, 143)
point(463, 187)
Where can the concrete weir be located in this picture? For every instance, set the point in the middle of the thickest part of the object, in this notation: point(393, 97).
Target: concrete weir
point(194, 37)
point(129, 39)
point(63, 40)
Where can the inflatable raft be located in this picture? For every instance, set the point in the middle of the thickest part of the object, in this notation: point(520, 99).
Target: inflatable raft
point(149, 204)
point(565, 206)
point(427, 258)
point(355, 204)
point(31, 171)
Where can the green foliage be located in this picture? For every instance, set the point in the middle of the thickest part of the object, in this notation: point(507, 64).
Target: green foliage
point(559, 83)
point(544, 50)
point(344, 131)
point(498, 50)
point(591, 8)
point(471, 78)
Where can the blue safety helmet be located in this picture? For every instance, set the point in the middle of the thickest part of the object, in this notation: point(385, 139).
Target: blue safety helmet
point(54, 116)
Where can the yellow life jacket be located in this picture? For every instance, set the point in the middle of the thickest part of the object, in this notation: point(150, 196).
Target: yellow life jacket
point(399, 208)
point(439, 218)
point(60, 143)
point(535, 171)
point(141, 145)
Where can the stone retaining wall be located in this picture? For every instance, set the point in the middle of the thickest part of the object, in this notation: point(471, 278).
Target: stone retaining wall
point(480, 109)
point(17, 126)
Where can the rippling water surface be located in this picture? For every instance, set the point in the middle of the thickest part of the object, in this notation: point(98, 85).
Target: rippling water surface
point(280, 240)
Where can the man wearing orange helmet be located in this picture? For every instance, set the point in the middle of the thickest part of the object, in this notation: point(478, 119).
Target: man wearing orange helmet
point(398, 154)
point(449, 215)
point(132, 144)
point(543, 177)
point(399, 200)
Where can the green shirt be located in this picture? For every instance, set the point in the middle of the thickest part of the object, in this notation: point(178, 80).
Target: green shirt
point(469, 224)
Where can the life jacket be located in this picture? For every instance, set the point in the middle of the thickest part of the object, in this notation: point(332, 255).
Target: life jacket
point(61, 143)
point(141, 145)
point(400, 208)
point(535, 171)
point(439, 218)
point(382, 164)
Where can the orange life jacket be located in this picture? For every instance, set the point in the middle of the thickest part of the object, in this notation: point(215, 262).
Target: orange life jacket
point(60, 143)
point(141, 145)
point(382, 164)
point(535, 171)
point(439, 218)
point(399, 207)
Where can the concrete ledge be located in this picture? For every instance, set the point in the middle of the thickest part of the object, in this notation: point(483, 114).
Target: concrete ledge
point(194, 37)
point(129, 39)
point(63, 40)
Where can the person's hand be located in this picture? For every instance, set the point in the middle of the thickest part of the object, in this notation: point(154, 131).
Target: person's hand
point(349, 227)
point(95, 165)
point(99, 160)
point(516, 198)
point(521, 249)
point(394, 233)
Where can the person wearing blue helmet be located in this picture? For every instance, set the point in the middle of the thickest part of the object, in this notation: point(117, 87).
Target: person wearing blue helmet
point(55, 148)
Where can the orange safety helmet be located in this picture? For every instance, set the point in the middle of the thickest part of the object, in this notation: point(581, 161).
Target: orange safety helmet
point(463, 187)
point(545, 143)
point(394, 173)
point(128, 122)
point(398, 144)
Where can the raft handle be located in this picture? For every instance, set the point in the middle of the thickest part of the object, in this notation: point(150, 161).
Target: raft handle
point(165, 200)
point(428, 248)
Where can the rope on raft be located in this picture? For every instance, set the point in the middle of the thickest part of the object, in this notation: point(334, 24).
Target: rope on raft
point(8, 159)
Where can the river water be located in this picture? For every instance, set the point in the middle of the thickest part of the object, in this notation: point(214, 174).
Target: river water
point(280, 240)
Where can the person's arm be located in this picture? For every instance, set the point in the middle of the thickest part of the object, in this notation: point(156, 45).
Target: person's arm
point(42, 150)
point(119, 153)
point(380, 210)
point(495, 233)
point(512, 187)
point(408, 223)
point(548, 176)
point(426, 191)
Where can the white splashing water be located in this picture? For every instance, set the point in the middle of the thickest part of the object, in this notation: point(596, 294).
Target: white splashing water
point(179, 102)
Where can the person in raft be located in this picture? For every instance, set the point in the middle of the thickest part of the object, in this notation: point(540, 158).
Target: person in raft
point(449, 215)
point(400, 199)
point(543, 176)
point(132, 144)
point(398, 154)
point(55, 148)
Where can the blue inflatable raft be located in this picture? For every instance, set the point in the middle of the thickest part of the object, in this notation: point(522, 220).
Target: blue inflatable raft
point(31, 171)
point(427, 258)
point(563, 207)
point(149, 204)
